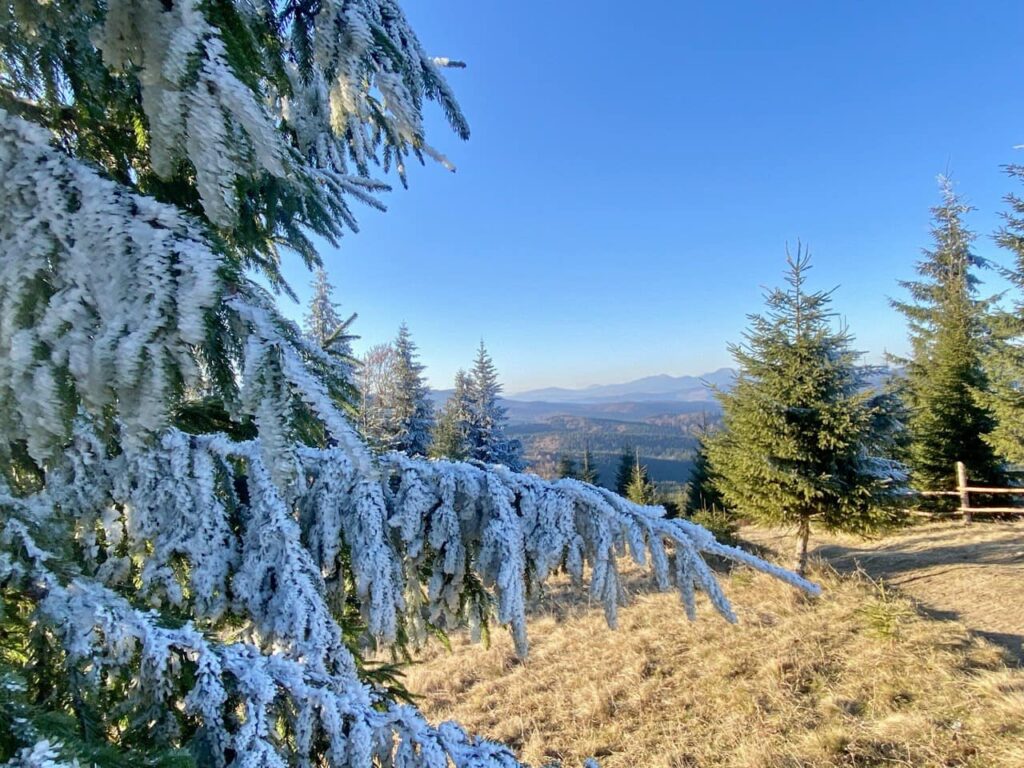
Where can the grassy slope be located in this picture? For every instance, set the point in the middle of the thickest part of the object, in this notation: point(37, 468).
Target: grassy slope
point(855, 678)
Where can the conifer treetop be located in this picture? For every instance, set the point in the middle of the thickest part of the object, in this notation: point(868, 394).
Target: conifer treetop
point(588, 469)
point(412, 412)
point(451, 432)
point(323, 323)
point(640, 489)
point(948, 269)
point(487, 418)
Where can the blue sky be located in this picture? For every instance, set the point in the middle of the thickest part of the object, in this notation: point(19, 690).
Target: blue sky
point(636, 170)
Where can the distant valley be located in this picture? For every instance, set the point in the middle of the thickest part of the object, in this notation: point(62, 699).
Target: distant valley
point(666, 441)
point(659, 416)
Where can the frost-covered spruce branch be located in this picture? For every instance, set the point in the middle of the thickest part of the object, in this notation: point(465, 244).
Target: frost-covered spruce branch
point(329, 711)
point(260, 564)
point(93, 280)
point(512, 529)
point(266, 120)
point(348, 84)
point(359, 77)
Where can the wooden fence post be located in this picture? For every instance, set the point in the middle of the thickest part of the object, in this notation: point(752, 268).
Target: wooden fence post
point(965, 496)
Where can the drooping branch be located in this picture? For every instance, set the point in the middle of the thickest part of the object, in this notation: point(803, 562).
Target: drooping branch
point(210, 503)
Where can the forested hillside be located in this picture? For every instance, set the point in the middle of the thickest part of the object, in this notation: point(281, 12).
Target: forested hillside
point(663, 431)
point(666, 444)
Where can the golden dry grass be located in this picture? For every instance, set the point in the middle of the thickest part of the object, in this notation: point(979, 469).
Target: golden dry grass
point(854, 678)
point(971, 573)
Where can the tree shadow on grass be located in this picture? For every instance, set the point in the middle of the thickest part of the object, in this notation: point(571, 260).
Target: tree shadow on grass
point(901, 568)
point(889, 563)
point(1014, 644)
point(926, 564)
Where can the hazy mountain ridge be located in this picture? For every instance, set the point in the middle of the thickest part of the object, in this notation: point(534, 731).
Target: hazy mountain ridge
point(528, 412)
point(661, 388)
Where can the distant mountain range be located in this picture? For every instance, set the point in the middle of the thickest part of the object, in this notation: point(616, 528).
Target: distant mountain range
point(534, 411)
point(662, 388)
point(660, 417)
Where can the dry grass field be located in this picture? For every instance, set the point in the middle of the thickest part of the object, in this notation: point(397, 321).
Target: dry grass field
point(861, 676)
point(971, 573)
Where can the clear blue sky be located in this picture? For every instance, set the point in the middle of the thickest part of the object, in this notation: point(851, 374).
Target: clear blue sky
point(636, 169)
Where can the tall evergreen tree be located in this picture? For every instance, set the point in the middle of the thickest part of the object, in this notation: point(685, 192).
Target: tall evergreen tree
point(588, 469)
point(411, 412)
point(487, 421)
point(451, 432)
point(187, 570)
point(1004, 359)
point(640, 490)
point(624, 471)
point(947, 422)
point(799, 440)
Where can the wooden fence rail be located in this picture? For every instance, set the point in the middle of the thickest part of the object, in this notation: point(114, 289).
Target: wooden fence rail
point(964, 491)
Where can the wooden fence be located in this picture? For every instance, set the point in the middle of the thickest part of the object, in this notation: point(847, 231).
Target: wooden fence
point(964, 491)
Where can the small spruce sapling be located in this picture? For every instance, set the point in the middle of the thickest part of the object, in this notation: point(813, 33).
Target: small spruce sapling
point(800, 439)
point(640, 489)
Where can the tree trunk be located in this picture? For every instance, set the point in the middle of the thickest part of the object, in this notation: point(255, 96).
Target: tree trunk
point(803, 532)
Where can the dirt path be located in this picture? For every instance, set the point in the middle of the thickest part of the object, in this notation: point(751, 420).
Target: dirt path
point(971, 573)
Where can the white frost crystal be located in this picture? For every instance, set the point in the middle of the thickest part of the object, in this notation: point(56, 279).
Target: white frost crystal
point(119, 287)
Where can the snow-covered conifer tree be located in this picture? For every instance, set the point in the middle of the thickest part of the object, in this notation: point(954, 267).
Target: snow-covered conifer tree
point(325, 328)
point(323, 324)
point(487, 419)
point(412, 413)
point(195, 544)
point(396, 412)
